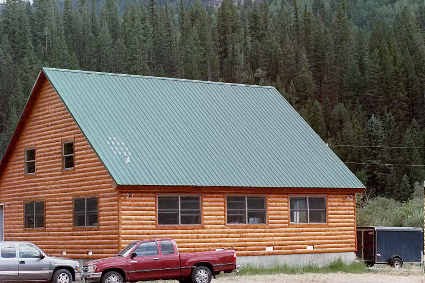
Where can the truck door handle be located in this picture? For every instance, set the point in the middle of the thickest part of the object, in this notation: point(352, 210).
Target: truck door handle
point(21, 262)
point(155, 258)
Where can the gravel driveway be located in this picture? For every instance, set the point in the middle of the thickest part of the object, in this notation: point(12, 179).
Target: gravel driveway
point(379, 274)
point(325, 278)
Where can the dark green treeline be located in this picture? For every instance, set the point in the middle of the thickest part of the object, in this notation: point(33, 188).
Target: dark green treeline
point(354, 69)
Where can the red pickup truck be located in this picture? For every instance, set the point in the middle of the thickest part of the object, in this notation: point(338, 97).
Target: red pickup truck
point(159, 260)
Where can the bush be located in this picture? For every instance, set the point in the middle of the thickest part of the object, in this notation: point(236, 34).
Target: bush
point(382, 211)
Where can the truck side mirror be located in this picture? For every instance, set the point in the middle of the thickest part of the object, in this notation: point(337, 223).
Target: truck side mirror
point(42, 256)
point(133, 255)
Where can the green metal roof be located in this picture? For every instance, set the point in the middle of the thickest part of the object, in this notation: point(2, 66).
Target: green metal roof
point(161, 131)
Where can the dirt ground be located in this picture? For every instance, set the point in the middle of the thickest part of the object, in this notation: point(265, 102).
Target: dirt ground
point(382, 274)
point(325, 278)
point(375, 275)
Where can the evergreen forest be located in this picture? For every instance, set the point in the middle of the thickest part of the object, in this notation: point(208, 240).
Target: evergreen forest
point(354, 69)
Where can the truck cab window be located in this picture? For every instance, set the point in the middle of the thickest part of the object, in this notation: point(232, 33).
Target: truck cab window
point(28, 251)
point(147, 249)
point(8, 252)
point(167, 248)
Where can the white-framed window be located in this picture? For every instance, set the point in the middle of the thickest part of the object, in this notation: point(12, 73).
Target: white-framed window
point(246, 210)
point(179, 210)
point(308, 209)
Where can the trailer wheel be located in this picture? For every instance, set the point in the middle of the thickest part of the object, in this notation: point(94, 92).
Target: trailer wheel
point(397, 262)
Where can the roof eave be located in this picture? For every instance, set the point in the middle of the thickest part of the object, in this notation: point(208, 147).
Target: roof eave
point(40, 77)
point(156, 186)
point(45, 72)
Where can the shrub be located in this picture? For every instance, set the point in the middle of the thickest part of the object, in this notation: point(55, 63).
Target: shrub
point(382, 211)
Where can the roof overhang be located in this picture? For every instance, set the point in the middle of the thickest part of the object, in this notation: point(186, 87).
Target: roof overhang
point(40, 78)
point(168, 188)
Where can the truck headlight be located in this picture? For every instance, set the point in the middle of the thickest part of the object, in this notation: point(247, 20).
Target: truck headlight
point(91, 268)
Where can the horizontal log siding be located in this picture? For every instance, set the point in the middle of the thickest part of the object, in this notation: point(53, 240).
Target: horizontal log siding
point(45, 127)
point(138, 220)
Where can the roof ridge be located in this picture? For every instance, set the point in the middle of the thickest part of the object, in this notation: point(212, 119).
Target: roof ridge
point(154, 77)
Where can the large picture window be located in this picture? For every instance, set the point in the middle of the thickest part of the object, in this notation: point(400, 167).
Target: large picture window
point(308, 209)
point(34, 214)
point(85, 212)
point(179, 210)
point(246, 210)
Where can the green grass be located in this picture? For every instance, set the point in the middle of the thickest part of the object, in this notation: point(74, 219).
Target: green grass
point(336, 266)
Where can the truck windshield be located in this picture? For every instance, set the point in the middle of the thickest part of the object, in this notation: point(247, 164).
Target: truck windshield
point(126, 250)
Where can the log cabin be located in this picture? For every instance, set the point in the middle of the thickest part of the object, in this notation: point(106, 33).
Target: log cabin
point(99, 160)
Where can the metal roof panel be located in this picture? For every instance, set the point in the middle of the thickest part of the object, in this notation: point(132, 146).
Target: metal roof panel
point(161, 131)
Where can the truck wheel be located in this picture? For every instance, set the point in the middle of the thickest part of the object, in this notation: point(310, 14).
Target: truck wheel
point(396, 262)
point(201, 274)
point(62, 276)
point(112, 277)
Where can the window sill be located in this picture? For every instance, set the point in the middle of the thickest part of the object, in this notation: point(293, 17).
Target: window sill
point(302, 225)
point(85, 228)
point(36, 229)
point(241, 225)
point(30, 175)
point(180, 227)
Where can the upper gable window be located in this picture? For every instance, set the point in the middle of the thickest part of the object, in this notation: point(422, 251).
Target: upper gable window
point(30, 161)
point(68, 155)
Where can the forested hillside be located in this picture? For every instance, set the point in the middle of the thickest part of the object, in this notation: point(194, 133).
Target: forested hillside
point(354, 69)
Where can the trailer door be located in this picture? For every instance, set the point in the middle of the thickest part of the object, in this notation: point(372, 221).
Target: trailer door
point(369, 246)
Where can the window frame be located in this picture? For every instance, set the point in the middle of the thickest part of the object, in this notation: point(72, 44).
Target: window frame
point(246, 196)
point(35, 214)
point(64, 156)
point(85, 212)
point(26, 162)
point(325, 197)
point(179, 196)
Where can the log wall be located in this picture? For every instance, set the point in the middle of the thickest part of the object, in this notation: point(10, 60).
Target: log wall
point(45, 126)
point(138, 220)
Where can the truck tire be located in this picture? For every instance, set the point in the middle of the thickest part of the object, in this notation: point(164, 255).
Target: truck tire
point(397, 262)
point(112, 277)
point(62, 276)
point(201, 274)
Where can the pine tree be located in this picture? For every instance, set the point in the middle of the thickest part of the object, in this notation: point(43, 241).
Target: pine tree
point(134, 37)
point(110, 16)
point(228, 32)
point(104, 49)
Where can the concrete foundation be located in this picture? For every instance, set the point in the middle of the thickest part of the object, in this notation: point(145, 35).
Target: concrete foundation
point(293, 260)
